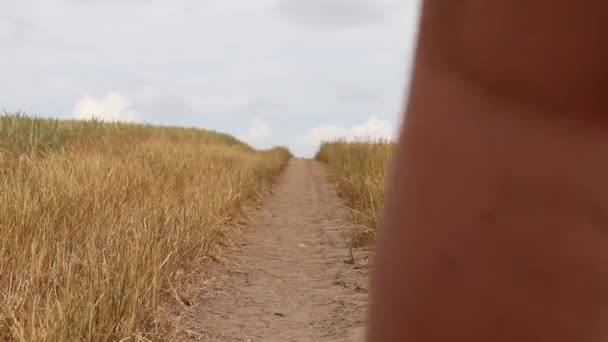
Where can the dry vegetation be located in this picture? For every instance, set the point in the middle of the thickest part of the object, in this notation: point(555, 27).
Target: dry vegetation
point(97, 220)
point(359, 169)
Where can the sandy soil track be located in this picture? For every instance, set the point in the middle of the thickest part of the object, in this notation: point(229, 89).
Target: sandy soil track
point(291, 279)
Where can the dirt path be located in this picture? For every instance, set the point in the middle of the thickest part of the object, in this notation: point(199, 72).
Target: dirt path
point(292, 279)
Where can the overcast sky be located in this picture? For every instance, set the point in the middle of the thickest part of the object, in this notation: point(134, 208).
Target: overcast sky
point(271, 72)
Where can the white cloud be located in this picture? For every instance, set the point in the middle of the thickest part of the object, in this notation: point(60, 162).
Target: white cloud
point(114, 107)
point(334, 13)
point(258, 135)
point(14, 28)
point(373, 129)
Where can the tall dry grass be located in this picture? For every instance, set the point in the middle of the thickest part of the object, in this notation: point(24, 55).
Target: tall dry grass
point(359, 169)
point(99, 221)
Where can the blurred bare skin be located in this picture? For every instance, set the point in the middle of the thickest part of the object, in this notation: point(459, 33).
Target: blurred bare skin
point(497, 215)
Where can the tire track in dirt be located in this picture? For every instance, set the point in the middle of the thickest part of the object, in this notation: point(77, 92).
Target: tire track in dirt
point(290, 280)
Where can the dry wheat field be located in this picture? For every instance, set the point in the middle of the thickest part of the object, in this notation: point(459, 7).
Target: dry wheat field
point(97, 220)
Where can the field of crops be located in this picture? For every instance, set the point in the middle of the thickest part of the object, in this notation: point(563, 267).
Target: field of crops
point(359, 169)
point(98, 221)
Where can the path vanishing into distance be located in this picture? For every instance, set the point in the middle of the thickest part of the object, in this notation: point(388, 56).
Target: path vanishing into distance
point(292, 278)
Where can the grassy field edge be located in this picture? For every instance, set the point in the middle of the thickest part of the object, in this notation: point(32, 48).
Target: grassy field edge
point(359, 170)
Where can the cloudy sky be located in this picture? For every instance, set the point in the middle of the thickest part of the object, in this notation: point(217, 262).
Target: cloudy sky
point(271, 72)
